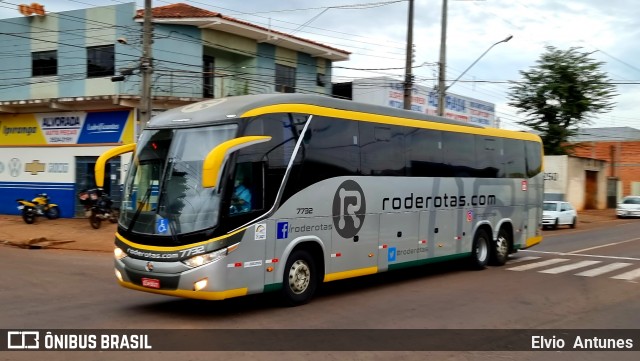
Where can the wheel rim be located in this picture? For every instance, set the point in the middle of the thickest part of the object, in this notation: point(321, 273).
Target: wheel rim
point(482, 251)
point(502, 246)
point(299, 277)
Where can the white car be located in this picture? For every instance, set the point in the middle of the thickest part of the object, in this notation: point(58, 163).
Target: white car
point(556, 213)
point(629, 207)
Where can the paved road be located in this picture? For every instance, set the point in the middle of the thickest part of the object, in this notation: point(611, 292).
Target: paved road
point(50, 289)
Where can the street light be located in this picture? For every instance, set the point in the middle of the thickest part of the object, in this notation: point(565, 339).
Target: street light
point(443, 89)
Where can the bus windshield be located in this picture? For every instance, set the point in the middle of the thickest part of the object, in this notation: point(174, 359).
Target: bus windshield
point(163, 193)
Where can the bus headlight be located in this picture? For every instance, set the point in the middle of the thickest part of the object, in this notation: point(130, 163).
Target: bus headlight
point(202, 259)
point(119, 254)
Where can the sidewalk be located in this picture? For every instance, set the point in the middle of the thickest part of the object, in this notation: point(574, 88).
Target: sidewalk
point(77, 234)
point(63, 233)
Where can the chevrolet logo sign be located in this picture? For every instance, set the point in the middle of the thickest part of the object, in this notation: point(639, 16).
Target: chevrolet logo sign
point(34, 168)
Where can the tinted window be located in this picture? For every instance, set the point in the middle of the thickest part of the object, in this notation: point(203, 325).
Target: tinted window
point(330, 150)
point(459, 153)
point(424, 153)
point(100, 61)
point(382, 149)
point(488, 150)
point(275, 154)
point(534, 158)
point(44, 63)
point(513, 158)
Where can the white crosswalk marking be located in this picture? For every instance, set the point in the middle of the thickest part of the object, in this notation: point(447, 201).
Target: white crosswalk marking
point(570, 267)
point(537, 264)
point(631, 275)
point(522, 259)
point(604, 269)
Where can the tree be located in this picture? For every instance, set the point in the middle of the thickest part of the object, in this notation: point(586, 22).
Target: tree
point(559, 94)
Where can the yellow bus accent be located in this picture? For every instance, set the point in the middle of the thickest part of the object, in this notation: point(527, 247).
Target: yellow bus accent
point(104, 157)
point(201, 295)
point(176, 248)
point(386, 119)
point(350, 274)
point(217, 156)
point(532, 241)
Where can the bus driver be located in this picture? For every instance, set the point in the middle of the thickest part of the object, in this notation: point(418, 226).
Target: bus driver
point(241, 200)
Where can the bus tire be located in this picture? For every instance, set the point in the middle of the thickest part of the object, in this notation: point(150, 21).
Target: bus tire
point(480, 250)
point(500, 248)
point(300, 278)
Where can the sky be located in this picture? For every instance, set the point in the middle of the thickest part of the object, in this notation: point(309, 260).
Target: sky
point(375, 33)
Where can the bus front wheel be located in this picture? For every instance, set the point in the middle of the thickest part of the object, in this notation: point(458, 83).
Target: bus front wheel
point(299, 278)
point(480, 250)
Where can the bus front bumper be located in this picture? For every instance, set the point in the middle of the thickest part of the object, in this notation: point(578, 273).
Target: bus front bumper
point(176, 279)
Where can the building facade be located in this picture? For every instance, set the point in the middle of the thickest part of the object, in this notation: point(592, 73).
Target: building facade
point(619, 147)
point(390, 92)
point(61, 106)
point(580, 181)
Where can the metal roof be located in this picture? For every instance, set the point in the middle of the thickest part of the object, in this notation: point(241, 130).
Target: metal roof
point(606, 134)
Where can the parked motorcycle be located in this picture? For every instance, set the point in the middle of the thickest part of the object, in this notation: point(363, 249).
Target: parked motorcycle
point(98, 207)
point(38, 206)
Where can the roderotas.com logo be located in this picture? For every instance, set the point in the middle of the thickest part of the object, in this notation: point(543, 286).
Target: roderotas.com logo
point(349, 209)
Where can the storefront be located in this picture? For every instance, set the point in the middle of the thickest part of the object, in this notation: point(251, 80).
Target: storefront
point(55, 153)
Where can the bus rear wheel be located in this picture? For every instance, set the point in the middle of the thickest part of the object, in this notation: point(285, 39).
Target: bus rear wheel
point(480, 250)
point(300, 278)
point(500, 249)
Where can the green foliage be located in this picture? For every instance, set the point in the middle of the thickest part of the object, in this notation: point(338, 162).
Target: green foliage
point(560, 94)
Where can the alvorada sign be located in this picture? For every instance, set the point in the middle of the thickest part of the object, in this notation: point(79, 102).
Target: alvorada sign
point(66, 128)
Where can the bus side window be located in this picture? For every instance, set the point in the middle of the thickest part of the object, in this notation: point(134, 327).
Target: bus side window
point(424, 153)
point(382, 149)
point(488, 155)
point(533, 152)
point(513, 158)
point(242, 198)
point(459, 153)
point(331, 150)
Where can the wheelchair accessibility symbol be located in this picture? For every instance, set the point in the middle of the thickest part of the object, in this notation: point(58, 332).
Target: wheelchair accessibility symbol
point(162, 225)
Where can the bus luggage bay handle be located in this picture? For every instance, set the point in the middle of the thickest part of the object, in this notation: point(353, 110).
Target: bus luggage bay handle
point(216, 158)
point(104, 157)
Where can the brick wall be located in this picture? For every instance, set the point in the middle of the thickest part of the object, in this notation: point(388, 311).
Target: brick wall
point(623, 159)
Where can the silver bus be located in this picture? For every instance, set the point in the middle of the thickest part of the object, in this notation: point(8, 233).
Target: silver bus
point(282, 192)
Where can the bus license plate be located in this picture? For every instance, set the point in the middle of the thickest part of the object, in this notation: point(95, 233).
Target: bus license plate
point(150, 282)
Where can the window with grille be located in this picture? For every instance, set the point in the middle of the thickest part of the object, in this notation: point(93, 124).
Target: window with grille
point(100, 61)
point(285, 79)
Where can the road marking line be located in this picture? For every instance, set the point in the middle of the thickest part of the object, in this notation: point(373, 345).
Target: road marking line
point(604, 245)
point(631, 275)
point(569, 267)
point(604, 269)
point(522, 259)
point(537, 264)
point(582, 255)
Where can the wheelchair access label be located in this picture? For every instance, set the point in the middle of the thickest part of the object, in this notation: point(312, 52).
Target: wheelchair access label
point(162, 225)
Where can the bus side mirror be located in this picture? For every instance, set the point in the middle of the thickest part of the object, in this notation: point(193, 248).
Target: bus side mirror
point(104, 157)
point(215, 160)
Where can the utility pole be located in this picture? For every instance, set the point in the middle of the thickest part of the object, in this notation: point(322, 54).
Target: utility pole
point(443, 57)
point(146, 65)
point(408, 77)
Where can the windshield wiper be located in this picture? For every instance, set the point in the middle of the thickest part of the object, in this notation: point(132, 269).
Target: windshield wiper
point(142, 204)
